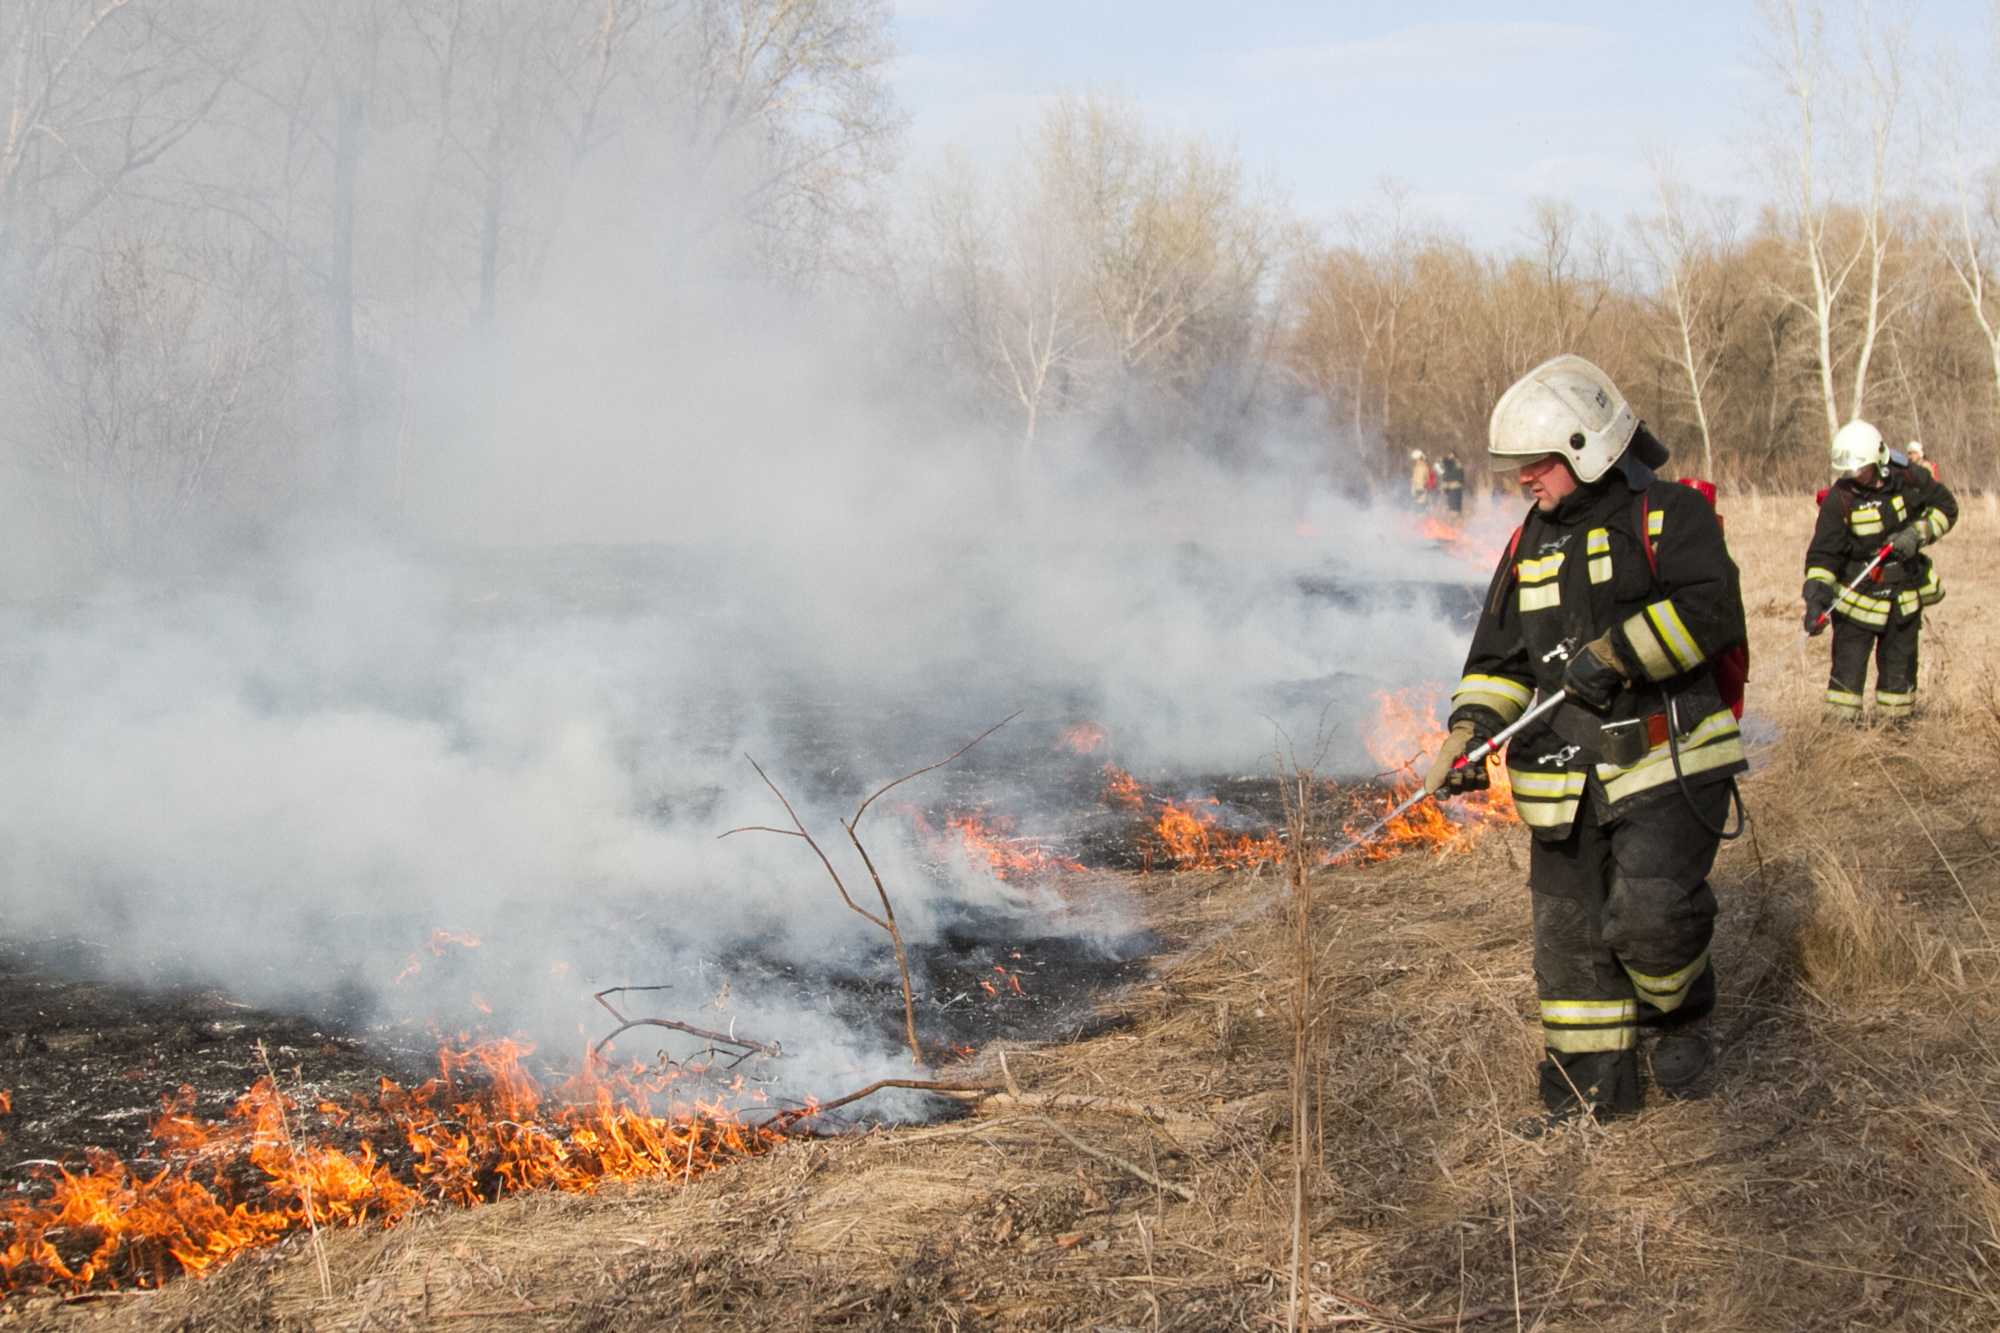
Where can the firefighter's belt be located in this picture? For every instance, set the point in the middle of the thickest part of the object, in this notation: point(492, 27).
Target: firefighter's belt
point(1579, 727)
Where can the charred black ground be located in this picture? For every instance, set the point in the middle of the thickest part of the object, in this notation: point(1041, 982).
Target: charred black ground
point(86, 1062)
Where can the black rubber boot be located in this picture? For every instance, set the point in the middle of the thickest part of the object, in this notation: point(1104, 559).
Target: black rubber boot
point(1681, 1058)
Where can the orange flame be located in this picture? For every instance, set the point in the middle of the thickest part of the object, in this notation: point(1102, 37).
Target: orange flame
point(1191, 838)
point(1121, 790)
point(1461, 545)
point(1083, 738)
point(483, 1129)
point(440, 938)
point(993, 842)
point(1405, 733)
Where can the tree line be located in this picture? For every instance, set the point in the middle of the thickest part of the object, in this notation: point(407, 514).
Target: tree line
point(1861, 283)
point(231, 234)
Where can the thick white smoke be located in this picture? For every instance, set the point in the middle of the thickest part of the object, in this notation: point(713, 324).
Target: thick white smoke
point(645, 530)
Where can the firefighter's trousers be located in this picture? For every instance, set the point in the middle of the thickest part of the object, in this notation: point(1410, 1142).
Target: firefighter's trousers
point(1895, 652)
point(1623, 916)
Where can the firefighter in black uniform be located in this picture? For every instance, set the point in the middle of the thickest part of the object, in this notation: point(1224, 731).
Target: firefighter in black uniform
point(1619, 590)
point(1875, 499)
point(1451, 481)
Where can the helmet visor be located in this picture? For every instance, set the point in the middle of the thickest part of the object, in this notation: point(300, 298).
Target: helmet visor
point(1515, 462)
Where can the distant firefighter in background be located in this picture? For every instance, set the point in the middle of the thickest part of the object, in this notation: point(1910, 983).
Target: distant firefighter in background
point(1917, 459)
point(1875, 499)
point(1451, 482)
point(1422, 481)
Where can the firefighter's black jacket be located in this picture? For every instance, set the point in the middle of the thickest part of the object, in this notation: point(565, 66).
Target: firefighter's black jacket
point(1855, 521)
point(1579, 572)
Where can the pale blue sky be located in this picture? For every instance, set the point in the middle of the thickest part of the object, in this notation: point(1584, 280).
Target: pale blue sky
point(1479, 107)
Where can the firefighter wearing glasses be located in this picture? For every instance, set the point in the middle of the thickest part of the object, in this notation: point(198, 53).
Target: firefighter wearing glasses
point(1619, 590)
point(1876, 498)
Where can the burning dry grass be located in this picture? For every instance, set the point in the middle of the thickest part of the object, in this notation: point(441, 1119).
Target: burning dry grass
point(1843, 1172)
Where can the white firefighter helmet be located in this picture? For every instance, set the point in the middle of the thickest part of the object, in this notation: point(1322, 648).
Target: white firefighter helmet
point(1916, 451)
point(1416, 455)
point(1855, 446)
point(1566, 407)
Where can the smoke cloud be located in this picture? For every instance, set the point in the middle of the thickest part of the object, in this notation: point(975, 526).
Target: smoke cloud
point(648, 522)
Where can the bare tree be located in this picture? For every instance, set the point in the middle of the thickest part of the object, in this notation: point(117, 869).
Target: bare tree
point(1969, 240)
point(1838, 246)
point(1001, 276)
point(147, 397)
point(1171, 248)
point(790, 100)
point(98, 92)
point(1572, 264)
point(1698, 301)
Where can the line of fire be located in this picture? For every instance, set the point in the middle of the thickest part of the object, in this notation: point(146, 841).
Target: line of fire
point(193, 1190)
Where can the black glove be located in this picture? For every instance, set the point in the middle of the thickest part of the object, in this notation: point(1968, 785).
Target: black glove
point(1819, 600)
point(1595, 673)
point(1449, 777)
point(1906, 542)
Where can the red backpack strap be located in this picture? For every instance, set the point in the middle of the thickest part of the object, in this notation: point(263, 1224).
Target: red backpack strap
point(1500, 583)
point(1645, 536)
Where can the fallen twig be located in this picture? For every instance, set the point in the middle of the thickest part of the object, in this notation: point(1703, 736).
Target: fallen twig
point(625, 1024)
point(792, 1117)
point(1129, 1168)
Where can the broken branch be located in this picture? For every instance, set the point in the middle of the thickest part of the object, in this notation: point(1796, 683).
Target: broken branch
point(1128, 1167)
point(920, 1084)
point(887, 921)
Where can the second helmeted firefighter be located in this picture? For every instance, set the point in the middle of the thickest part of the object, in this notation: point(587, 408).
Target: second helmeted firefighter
point(1876, 499)
point(1619, 590)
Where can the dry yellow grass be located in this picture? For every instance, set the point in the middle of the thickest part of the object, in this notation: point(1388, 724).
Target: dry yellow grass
point(1844, 1172)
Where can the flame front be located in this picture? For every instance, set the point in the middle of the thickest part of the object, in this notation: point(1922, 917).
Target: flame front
point(1478, 552)
point(483, 1129)
point(1404, 735)
point(1191, 837)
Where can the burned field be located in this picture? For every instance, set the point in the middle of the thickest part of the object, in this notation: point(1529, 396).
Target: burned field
point(1130, 1171)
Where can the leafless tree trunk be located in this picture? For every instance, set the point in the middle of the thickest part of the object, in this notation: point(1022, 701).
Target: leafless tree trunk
point(1696, 296)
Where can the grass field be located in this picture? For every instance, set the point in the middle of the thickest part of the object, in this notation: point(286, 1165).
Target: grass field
point(1844, 1171)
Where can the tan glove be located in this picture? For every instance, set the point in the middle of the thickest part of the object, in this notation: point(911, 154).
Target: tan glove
point(1445, 777)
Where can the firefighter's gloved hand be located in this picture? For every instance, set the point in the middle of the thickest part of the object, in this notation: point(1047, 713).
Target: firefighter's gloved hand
point(1448, 780)
point(1906, 542)
point(1819, 601)
point(1595, 672)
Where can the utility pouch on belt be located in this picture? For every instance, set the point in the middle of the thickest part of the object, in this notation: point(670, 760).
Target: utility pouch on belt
point(1626, 743)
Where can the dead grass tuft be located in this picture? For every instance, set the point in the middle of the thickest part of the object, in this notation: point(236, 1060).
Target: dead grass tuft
point(1853, 943)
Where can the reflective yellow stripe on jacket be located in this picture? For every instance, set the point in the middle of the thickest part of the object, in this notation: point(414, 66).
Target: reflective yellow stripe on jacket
point(1597, 546)
point(1661, 641)
point(1505, 697)
point(1546, 800)
point(1716, 743)
point(1862, 609)
point(1541, 585)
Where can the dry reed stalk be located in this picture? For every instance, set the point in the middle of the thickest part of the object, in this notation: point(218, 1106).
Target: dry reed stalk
point(1302, 795)
point(320, 1268)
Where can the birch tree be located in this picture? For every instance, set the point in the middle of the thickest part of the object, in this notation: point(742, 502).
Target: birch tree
point(1843, 250)
point(1697, 300)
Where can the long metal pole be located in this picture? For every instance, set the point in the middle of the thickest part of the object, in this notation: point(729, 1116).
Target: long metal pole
point(1827, 614)
point(1476, 755)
